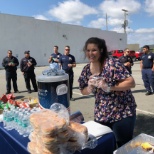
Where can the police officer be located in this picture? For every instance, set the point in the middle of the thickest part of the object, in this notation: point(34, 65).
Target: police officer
point(67, 62)
point(126, 60)
point(55, 56)
point(147, 68)
point(27, 66)
point(10, 64)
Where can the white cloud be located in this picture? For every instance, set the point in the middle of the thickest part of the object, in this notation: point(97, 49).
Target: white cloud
point(115, 15)
point(75, 11)
point(118, 29)
point(145, 30)
point(40, 17)
point(114, 8)
point(115, 22)
point(140, 38)
point(121, 30)
point(99, 23)
point(149, 7)
point(71, 11)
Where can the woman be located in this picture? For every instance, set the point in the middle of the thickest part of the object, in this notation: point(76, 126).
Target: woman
point(110, 82)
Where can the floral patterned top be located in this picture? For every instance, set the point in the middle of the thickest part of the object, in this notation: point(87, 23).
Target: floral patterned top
point(115, 105)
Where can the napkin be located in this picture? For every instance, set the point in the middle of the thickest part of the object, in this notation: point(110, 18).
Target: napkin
point(95, 129)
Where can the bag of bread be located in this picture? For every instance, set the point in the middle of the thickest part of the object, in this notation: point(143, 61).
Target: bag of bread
point(73, 144)
point(77, 138)
point(61, 110)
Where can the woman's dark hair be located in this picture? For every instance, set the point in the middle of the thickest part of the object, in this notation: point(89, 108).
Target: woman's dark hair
point(101, 44)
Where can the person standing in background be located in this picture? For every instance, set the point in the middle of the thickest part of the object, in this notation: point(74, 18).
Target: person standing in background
point(55, 56)
point(10, 64)
point(67, 62)
point(126, 60)
point(147, 69)
point(27, 66)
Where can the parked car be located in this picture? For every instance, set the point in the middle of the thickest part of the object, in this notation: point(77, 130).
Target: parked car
point(138, 54)
point(117, 53)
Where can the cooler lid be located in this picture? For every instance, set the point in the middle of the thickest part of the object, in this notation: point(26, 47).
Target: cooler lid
point(44, 78)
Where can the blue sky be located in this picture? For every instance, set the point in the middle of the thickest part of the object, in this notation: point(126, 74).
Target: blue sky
point(91, 13)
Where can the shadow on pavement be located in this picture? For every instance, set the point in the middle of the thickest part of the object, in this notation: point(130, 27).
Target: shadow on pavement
point(138, 91)
point(144, 124)
point(19, 97)
point(84, 97)
point(23, 91)
point(75, 87)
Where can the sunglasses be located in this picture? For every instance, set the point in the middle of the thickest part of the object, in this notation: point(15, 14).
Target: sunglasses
point(67, 49)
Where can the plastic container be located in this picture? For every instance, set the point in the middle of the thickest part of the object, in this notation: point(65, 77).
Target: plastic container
point(134, 146)
point(53, 89)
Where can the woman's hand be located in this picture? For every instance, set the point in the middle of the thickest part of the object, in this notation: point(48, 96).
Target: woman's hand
point(91, 85)
point(99, 83)
point(103, 85)
point(92, 82)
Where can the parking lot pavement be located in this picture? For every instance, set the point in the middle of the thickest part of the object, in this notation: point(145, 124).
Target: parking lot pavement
point(145, 104)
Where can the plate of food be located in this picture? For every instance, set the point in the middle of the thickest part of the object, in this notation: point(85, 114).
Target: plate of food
point(141, 144)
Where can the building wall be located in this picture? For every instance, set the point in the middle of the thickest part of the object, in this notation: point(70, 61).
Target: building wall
point(133, 47)
point(151, 48)
point(20, 33)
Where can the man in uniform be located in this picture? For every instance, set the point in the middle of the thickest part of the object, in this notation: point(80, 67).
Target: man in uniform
point(27, 66)
point(55, 56)
point(126, 60)
point(67, 62)
point(147, 68)
point(10, 64)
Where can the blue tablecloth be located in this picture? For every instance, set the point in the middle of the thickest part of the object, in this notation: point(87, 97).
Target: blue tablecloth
point(13, 143)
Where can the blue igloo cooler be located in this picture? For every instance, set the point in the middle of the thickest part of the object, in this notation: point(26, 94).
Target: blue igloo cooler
point(53, 89)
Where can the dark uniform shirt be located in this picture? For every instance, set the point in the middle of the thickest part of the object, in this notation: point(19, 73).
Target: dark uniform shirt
point(8, 60)
point(65, 60)
point(23, 64)
point(57, 56)
point(147, 60)
point(124, 59)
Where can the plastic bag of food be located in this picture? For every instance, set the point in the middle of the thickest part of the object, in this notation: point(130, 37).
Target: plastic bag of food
point(48, 122)
point(49, 72)
point(4, 98)
point(54, 66)
point(61, 110)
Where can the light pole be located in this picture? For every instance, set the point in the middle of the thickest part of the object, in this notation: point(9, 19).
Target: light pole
point(124, 25)
point(106, 22)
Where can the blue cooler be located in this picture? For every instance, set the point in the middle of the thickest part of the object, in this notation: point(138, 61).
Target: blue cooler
point(53, 89)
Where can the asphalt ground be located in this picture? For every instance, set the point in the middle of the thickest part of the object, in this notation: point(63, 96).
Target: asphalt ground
point(85, 104)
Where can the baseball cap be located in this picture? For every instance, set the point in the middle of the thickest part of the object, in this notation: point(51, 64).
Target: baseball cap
point(26, 52)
